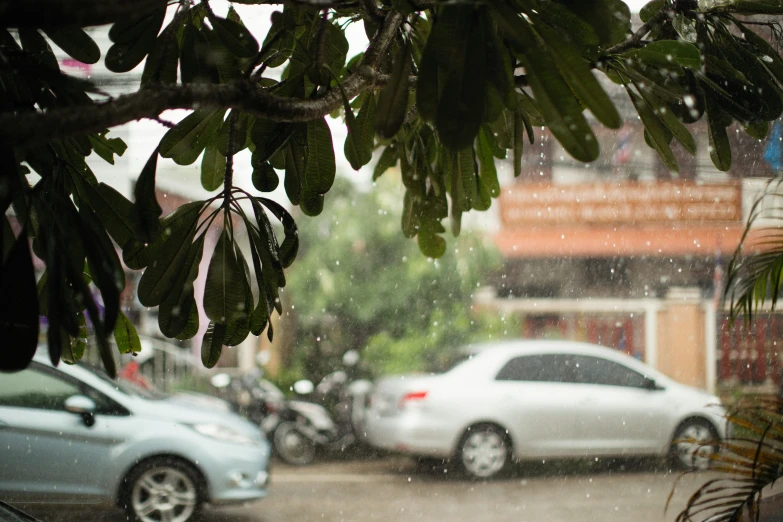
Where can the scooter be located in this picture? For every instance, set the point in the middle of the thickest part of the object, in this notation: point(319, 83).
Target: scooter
point(295, 428)
point(343, 398)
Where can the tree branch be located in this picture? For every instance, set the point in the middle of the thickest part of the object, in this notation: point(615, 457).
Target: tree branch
point(25, 128)
point(636, 38)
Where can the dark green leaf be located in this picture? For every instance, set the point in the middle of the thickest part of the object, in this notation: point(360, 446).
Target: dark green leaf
point(312, 203)
point(387, 160)
point(757, 129)
point(224, 294)
point(76, 43)
point(18, 308)
point(133, 40)
point(411, 214)
point(213, 168)
point(519, 142)
point(175, 310)
point(650, 9)
point(73, 351)
point(34, 43)
point(720, 148)
point(361, 133)
point(294, 172)
point(212, 344)
point(560, 110)
point(290, 245)
point(259, 317)
point(160, 276)
point(657, 132)
point(104, 265)
point(144, 195)
point(768, 7)
point(106, 148)
point(161, 64)
point(7, 239)
point(118, 215)
point(319, 169)
point(264, 178)
point(666, 53)
point(461, 104)
point(431, 245)
point(579, 76)
point(488, 172)
point(125, 335)
point(191, 328)
point(393, 99)
point(269, 137)
point(185, 142)
point(428, 84)
point(235, 37)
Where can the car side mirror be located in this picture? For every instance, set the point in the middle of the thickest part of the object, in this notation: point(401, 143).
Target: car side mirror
point(650, 384)
point(81, 405)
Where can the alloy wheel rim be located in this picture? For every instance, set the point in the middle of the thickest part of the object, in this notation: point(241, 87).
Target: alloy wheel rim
point(695, 446)
point(484, 453)
point(163, 494)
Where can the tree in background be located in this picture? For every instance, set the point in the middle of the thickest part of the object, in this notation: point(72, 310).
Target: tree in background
point(444, 88)
point(361, 285)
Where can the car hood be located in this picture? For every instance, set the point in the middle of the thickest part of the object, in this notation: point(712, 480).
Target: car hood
point(175, 409)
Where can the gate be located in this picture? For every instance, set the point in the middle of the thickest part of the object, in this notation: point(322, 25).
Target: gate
point(749, 354)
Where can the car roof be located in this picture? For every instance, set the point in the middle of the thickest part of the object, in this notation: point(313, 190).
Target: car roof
point(502, 350)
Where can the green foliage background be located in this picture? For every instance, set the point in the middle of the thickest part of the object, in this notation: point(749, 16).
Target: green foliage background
point(360, 284)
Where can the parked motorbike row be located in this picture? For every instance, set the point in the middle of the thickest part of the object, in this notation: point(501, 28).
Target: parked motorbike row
point(327, 417)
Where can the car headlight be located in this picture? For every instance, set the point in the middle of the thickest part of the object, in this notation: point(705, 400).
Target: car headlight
point(224, 433)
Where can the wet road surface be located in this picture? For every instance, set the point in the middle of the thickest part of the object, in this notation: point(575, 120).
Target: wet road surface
point(397, 489)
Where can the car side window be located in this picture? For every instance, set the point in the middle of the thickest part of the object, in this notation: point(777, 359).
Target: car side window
point(538, 368)
point(595, 370)
point(32, 388)
point(42, 388)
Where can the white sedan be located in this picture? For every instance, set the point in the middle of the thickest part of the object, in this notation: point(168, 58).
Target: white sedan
point(520, 400)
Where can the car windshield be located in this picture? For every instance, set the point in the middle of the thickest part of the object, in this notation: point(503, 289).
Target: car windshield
point(382, 260)
point(128, 387)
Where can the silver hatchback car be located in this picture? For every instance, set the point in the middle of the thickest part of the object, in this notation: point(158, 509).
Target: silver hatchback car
point(70, 435)
point(543, 399)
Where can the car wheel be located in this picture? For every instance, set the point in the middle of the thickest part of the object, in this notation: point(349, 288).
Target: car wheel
point(694, 444)
point(293, 446)
point(485, 451)
point(162, 490)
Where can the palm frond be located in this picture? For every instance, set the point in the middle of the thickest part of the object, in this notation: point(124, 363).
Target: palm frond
point(755, 272)
point(749, 463)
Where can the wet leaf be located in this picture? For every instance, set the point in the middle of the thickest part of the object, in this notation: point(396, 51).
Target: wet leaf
point(133, 40)
point(393, 99)
point(125, 335)
point(212, 344)
point(144, 198)
point(224, 294)
point(320, 167)
point(213, 168)
point(185, 142)
point(18, 316)
point(76, 43)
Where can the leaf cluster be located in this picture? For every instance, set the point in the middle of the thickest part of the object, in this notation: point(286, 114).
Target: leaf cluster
point(443, 89)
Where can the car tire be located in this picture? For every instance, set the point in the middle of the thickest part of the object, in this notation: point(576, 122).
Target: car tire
point(293, 446)
point(162, 488)
point(484, 452)
point(693, 445)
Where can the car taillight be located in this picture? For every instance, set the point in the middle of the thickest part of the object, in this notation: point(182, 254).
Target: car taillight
point(412, 398)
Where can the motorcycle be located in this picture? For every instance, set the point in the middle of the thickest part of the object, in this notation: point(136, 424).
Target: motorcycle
point(295, 428)
point(339, 395)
